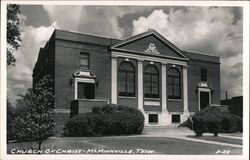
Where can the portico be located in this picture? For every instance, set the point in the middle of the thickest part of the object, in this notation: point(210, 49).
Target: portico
point(153, 95)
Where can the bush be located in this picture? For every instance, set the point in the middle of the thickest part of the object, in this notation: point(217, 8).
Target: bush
point(106, 120)
point(214, 120)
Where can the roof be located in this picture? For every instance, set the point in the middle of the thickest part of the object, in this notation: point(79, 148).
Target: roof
point(113, 42)
point(202, 56)
point(84, 38)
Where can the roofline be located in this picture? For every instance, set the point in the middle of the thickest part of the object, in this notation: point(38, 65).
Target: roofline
point(206, 54)
point(151, 31)
point(88, 34)
point(127, 39)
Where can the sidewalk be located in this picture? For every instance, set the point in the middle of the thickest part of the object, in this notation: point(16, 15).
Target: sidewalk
point(170, 130)
point(184, 133)
point(178, 133)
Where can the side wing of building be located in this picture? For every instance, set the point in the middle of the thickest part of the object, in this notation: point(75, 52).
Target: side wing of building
point(203, 80)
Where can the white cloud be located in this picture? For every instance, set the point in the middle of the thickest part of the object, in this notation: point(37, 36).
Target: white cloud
point(65, 16)
point(231, 79)
point(100, 20)
point(198, 28)
point(86, 19)
point(20, 76)
point(203, 29)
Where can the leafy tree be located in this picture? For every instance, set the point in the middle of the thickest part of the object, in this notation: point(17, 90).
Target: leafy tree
point(13, 32)
point(35, 113)
point(10, 121)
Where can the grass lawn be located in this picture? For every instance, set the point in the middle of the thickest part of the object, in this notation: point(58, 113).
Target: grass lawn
point(158, 145)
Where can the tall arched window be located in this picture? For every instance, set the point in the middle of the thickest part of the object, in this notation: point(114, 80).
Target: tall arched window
point(151, 82)
point(126, 79)
point(174, 84)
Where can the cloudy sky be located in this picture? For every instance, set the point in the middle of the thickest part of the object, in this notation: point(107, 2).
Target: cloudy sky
point(212, 30)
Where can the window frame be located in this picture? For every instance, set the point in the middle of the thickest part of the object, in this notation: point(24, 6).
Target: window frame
point(179, 118)
point(126, 79)
point(151, 83)
point(84, 67)
point(173, 84)
point(203, 74)
point(150, 118)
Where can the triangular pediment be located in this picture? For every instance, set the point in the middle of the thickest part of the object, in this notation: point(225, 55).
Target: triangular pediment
point(150, 42)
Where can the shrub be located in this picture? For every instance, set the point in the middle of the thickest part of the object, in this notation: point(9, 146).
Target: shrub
point(214, 120)
point(106, 120)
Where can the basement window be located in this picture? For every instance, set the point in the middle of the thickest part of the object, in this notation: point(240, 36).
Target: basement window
point(153, 118)
point(176, 118)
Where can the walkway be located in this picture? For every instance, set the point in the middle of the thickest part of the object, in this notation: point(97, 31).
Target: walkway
point(184, 133)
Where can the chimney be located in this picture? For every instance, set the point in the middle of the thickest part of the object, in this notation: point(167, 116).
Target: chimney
point(226, 95)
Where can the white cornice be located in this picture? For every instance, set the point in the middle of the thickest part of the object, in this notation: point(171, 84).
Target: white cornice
point(163, 60)
point(147, 54)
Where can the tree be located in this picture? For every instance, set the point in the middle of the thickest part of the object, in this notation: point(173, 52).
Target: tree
point(13, 32)
point(35, 112)
point(10, 121)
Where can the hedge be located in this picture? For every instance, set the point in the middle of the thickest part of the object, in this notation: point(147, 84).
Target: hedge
point(214, 120)
point(106, 120)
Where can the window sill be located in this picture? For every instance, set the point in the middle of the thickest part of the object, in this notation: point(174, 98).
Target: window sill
point(178, 100)
point(156, 99)
point(126, 97)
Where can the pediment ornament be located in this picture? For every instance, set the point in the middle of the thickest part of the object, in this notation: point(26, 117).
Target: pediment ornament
point(152, 49)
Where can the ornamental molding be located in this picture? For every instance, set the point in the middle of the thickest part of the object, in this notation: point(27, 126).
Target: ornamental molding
point(151, 49)
point(203, 84)
point(84, 74)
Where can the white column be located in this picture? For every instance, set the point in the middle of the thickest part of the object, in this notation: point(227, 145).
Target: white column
point(164, 114)
point(75, 83)
point(140, 85)
point(185, 89)
point(113, 80)
point(185, 95)
point(163, 87)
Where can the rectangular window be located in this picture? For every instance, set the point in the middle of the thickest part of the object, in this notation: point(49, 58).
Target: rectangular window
point(85, 90)
point(176, 118)
point(203, 74)
point(84, 61)
point(153, 118)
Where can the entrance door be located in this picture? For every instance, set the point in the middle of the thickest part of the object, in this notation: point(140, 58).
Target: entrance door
point(204, 99)
point(85, 90)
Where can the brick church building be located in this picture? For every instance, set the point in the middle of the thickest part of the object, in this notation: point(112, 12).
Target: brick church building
point(145, 71)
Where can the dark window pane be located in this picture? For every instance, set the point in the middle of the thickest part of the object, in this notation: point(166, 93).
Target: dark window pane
point(151, 82)
point(203, 74)
point(153, 118)
point(174, 84)
point(84, 60)
point(176, 118)
point(80, 91)
point(127, 79)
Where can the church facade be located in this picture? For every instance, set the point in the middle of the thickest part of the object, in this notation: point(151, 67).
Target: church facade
point(145, 71)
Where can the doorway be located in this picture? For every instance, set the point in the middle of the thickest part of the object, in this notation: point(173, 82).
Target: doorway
point(204, 99)
point(85, 90)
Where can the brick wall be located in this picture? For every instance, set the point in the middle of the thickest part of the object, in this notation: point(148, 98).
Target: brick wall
point(194, 77)
point(67, 62)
